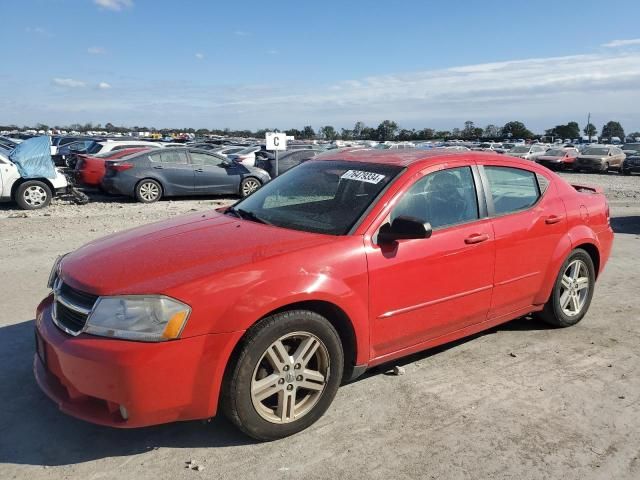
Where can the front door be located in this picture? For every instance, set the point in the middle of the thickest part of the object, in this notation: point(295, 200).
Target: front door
point(422, 289)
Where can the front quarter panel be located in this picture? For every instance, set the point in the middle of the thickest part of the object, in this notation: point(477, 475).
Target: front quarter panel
point(235, 299)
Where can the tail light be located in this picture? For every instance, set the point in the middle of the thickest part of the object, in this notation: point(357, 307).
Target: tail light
point(119, 166)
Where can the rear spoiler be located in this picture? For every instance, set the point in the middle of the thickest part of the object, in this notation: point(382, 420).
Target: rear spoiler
point(587, 188)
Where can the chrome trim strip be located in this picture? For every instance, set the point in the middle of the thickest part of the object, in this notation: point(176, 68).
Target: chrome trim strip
point(72, 306)
point(411, 308)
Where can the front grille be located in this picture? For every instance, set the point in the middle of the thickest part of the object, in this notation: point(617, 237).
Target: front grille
point(72, 308)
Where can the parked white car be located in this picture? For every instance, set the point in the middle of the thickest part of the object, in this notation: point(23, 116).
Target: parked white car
point(29, 194)
point(528, 152)
point(113, 145)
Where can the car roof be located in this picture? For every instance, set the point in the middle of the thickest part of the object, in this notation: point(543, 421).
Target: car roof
point(407, 158)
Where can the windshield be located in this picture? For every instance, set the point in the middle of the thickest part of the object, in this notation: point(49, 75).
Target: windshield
point(595, 151)
point(248, 150)
point(519, 150)
point(555, 153)
point(632, 147)
point(318, 196)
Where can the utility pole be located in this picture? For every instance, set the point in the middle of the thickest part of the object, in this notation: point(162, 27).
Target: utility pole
point(588, 124)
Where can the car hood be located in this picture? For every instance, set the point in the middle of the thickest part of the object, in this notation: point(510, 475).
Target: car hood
point(157, 257)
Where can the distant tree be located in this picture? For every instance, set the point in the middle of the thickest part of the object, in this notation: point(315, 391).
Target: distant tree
point(468, 131)
point(387, 130)
point(358, 129)
point(405, 135)
point(477, 132)
point(346, 134)
point(491, 131)
point(456, 133)
point(444, 134)
point(612, 129)
point(590, 130)
point(425, 134)
point(516, 129)
point(368, 133)
point(41, 126)
point(294, 132)
point(308, 133)
point(634, 135)
point(328, 132)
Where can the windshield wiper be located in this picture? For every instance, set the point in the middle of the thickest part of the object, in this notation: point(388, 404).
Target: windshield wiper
point(246, 215)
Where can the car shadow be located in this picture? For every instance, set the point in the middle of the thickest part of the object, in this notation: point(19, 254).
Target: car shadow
point(35, 432)
point(42, 435)
point(629, 224)
point(522, 324)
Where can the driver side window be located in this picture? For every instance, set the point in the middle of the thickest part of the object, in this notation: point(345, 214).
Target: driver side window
point(443, 198)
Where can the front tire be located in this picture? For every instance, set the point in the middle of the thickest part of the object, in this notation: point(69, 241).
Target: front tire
point(33, 195)
point(148, 191)
point(572, 291)
point(284, 375)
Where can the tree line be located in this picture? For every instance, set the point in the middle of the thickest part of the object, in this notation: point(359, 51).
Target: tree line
point(386, 130)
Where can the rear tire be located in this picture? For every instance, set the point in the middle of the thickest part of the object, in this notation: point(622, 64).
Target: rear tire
point(265, 390)
point(148, 191)
point(249, 185)
point(33, 195)
point(572, 292)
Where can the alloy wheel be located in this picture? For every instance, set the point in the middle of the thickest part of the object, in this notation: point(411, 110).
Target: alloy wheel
point(290, 377)
point(149, 191)
point(574, 288)
point(249, 186)
point(35, 196)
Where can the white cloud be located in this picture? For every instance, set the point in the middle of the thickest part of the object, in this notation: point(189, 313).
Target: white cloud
point(200, 56)
point(273, 51)
point(96, 51)
point(68, 82)
point(115, 5)
point(241, 33)
point(104, 86)
point(541, 92)
point(38, 31)
point(621, 43)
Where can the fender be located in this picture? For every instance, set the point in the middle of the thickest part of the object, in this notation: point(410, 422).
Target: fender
point(276, 293)
point(577, 235)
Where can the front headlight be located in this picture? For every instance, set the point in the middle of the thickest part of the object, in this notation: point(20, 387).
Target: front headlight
point(55, 272)
point(146, 318)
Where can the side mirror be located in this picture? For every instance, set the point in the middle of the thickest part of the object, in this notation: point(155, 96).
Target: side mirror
point(403, 228)
point(610, 154)
point(225, 164)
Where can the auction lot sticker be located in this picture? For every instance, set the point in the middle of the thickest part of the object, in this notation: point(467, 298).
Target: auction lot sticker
point(361, 176)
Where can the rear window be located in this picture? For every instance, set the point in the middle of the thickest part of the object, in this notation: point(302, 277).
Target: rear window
point(173, 157)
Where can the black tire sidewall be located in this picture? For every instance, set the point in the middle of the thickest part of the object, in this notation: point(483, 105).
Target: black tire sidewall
point(559, 318)
point(29, 183)
point(238, 392)
point(142, 182)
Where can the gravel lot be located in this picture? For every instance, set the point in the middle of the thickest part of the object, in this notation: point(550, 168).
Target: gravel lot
point(519, 401)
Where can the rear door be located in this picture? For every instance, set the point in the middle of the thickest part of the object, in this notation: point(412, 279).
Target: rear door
point(173, 169)
point(528, 220)
point(214, 174)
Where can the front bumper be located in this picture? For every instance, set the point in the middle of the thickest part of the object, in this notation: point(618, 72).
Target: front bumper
point(90, 377)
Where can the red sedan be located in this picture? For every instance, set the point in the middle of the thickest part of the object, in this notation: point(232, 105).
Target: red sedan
point(90, 169)
point(349, 260)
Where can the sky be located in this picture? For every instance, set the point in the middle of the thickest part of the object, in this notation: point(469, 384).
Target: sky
point(285, 64)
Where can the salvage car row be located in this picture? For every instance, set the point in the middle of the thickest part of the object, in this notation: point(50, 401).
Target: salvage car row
point(149, 171)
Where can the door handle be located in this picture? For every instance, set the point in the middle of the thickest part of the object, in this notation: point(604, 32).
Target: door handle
point(551, 219)
point(199, 170)
point(158, 167)
point(476, 238)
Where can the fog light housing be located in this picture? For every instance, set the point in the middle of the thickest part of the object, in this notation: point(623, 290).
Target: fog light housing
point(124, 413)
